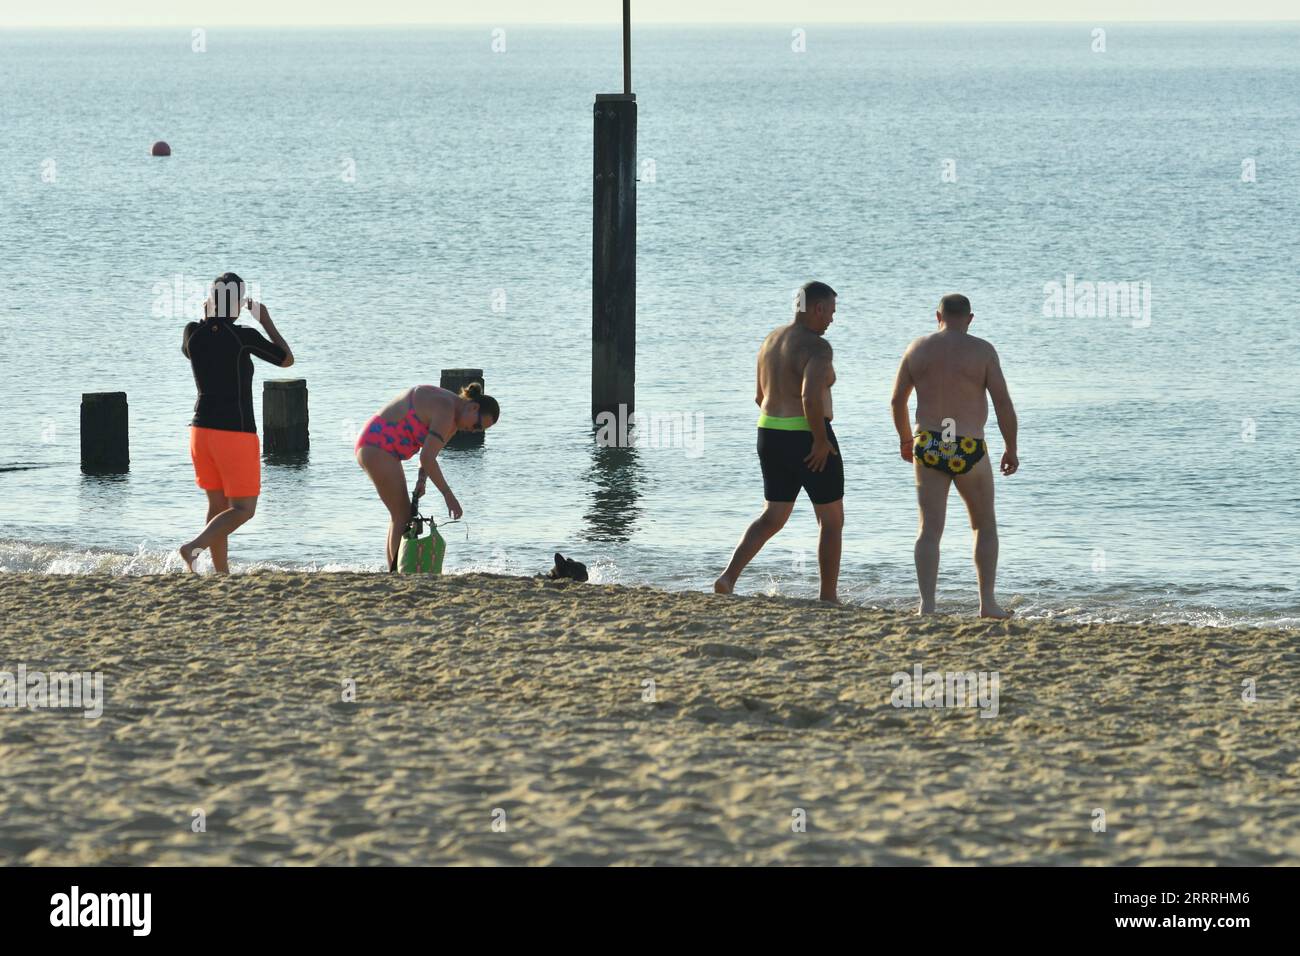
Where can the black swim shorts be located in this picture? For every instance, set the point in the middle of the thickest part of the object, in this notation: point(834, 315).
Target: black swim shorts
point(781, 454)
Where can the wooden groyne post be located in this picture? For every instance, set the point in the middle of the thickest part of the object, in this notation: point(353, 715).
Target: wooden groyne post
point(453, 380)
point(613, 255)
point(284, 415)
point(105, 446)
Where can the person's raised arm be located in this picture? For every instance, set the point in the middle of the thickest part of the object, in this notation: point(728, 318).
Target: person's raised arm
point(1006, 413)
point(816, 380)
point(903, 386)
point(263, 317)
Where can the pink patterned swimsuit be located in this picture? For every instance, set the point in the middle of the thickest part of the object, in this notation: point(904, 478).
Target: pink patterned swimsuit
point(401, 439)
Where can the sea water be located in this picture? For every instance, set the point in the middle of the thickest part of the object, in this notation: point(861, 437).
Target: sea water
point(410, 200)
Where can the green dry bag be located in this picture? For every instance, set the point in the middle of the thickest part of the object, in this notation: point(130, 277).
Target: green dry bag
point(420, 555)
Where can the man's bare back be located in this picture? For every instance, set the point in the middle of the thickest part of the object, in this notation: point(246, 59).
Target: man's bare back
point(796, 445)
point(950, 371)
point(954, 374)
point(783, 361)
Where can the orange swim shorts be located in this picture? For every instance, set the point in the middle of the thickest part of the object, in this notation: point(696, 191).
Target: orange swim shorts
point(226, 461)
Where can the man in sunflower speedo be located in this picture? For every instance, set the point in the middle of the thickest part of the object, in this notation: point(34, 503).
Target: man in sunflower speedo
point(796, 445)
point(952, 371)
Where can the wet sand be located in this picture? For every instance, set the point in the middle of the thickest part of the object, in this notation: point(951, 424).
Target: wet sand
point(507, 720)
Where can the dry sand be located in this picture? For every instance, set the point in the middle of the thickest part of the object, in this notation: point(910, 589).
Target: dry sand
point(520, 700)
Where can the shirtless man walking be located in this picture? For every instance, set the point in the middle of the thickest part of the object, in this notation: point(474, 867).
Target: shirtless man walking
point(796, 445)
point(951, 371)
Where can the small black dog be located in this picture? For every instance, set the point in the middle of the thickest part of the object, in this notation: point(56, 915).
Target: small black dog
point(568, 568)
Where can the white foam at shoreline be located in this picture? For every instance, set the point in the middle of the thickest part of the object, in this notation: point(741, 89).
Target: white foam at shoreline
point(39, 558)
point(35, 558)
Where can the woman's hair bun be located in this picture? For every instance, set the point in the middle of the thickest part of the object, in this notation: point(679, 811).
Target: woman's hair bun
point(472, 392)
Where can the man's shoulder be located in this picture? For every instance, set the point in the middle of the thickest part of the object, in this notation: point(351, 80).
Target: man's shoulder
point(804, 338)
point(783, 331)
point(804, 346)
point(919, 343)
point(247, 333)
point(795, 337)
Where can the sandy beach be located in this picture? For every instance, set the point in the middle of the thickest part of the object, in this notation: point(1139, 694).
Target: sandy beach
point(510, 721)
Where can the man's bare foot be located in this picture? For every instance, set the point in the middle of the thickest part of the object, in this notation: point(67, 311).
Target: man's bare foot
point(189, 554)
point(833, 599)
point(925, 609)
point(995, 612)
point(723, 585)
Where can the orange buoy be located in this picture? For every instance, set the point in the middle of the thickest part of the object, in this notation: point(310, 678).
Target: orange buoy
point(160, 148)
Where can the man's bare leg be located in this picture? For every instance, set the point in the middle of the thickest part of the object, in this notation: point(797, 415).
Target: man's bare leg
point(219, 528)
point(976, 489)
point(756, 535)
point(932, 508)
point(219, 548)
point(830, 521)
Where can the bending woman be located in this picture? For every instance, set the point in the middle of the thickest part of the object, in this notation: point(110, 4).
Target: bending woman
point(422, 419)
point(223, 433)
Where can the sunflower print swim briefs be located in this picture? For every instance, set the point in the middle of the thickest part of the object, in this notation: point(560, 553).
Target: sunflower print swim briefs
point(954, 457)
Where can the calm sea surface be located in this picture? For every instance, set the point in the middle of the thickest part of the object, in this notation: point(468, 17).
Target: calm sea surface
point(409, 200)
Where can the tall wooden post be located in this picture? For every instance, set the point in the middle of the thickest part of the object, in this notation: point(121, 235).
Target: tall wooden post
point(454, 379)
point(613, 255)
point(284, 415)
point(105, 447)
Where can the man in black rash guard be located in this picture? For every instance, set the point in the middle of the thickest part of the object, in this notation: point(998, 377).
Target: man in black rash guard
point(221, 358)
point(223, 433)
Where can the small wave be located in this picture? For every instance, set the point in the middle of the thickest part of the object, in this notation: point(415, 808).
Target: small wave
point(25, 557)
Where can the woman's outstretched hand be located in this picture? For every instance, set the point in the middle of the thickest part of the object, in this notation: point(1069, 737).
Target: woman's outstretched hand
point(453, 506)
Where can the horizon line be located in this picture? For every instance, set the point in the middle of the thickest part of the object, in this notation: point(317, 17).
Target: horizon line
point(155, 25)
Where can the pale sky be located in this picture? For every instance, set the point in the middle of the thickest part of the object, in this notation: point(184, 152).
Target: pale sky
point(207, 13)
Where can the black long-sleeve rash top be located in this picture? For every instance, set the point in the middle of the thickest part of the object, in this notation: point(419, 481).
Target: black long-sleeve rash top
point(220, 355)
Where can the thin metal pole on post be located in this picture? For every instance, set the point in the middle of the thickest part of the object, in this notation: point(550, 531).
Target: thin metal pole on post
point(627, 47)
point(613, 258)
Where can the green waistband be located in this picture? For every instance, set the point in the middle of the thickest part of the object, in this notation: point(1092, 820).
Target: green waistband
point(796, 423)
